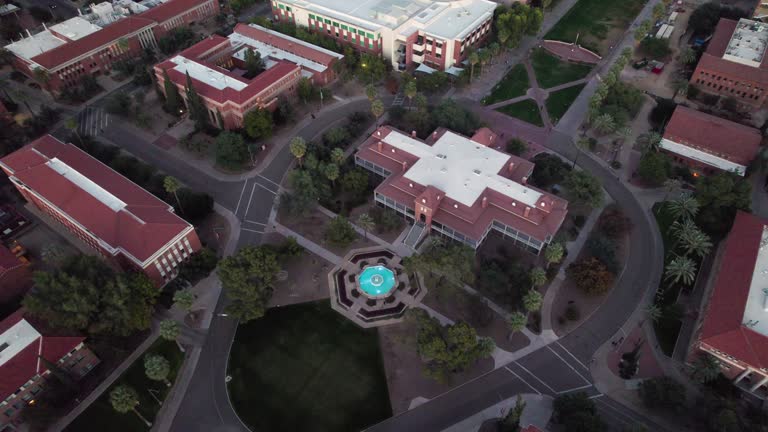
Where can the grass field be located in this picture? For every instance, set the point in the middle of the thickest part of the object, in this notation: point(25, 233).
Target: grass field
point(100, 416)
point(526, 110)
point(594, 20)
point(515, 83)
point(551, 71)
point(559, 101)
point(305, 367)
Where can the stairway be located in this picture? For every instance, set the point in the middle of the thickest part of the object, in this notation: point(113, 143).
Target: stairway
point(415, 234)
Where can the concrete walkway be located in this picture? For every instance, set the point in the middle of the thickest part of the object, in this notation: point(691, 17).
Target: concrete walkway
point(357, 229)
point(307, 243)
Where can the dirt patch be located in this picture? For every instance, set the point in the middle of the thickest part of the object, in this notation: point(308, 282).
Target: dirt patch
point(306, 277)
point(313, 228)
point(389, 236)
point(403, 368)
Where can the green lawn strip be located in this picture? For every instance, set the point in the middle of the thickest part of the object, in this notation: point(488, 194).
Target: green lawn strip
point(100, 416)
point(593, 19)
point(526, 111)
point(559, 101)
point(306, 367)
point(514, 84)
point(551, 71)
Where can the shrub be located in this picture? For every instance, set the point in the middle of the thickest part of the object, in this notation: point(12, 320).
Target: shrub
point(590, 275)
point(613, 223)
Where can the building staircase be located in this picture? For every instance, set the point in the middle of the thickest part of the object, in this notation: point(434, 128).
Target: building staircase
point(417, 232)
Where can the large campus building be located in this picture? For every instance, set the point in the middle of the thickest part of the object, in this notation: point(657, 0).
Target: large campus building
point(460, 187)
point(733, 327)
point(216, 65)
point(707, 144)
point(127, 225)
point(734, 64)
point(27, 348)
point(438, 34)
point(92, 43)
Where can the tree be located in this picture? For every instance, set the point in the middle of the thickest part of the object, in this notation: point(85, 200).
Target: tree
point(197, 110)
point(655, 47)
point(340, 232)
point(671, 186)
point(172, 97)
point(695, 242)
point(410, 91)
point(42, 76)
point(377, 109)
point(172, 186)
point(704, 18)
point(532, 300)
point(548, 170)
point(658, 11)
point(662, 392)
point(686, 207)
point(577, 413)
point(649, 141)
point(254, 64)
point(454, 262)
point(258, 123)
point(421, 102)
point(680, 269)
point(538, 277)
point(305, 89)
point(590, 275)
point(517, 321)
point(653, 312)
point(337, 156)
point(584, 188)
point(247, 278)
point(642, 30)
point(199, 265)
point(231, 151)
point(613, 223)
point(511, 421)
point(371, 92)
point(604, 123)
point(123, 399)
point(355, 182)
point(157, 368)
point(553, 253)
point(304, 193)
point(516, 146)
point(654, 168)
point(184, 299)
point(298, 148)
point(73, 126)
point(331, 172)
point(365, 222)
point(687, 55)
point(720, 196)
point(170, 330)
point(485, 57)
point(706, 368)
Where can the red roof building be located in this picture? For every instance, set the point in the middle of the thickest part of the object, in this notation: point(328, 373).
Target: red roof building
point(69, 50)
point(15, 277)
point(26, 350)
point(733, 328)
point(216, 69)
point(734, 64)
point(125, 223)
point(461, 188)
point(707, 143)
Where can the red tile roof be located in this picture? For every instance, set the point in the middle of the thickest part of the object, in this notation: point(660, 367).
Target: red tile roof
point(722, 327)
point(24, 365)
point(714, 135)
point(720, 38)
point(165, 11)
point(280, 41)
point(141, 228)
point(712, 59)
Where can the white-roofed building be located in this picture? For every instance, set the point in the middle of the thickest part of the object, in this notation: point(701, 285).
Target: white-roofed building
point(435, 33)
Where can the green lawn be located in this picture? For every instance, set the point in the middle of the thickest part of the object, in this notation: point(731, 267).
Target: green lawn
point(515, 83)
point(306, 367)
point(551, 71)
point(526, 110)
point(559, 101)
point(100, 416)
point(592, 20)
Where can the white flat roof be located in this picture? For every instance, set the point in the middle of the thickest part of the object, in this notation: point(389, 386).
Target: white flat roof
point(748, 43)
point(461, 168)
point(756, 309)
point(35, 45)
point(459, 18)
point(75, 28)
point(17, 338)
point(86, 184)
point(269, 51)
point(702, 156)
point(207, 75)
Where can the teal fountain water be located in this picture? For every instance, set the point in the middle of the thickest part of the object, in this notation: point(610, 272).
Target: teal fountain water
point(377, 281)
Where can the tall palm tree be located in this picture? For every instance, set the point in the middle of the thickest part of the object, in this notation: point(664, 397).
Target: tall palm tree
point(680, 269)
point(517, 321)
point(684, 207)
point(670, 186)
point(604, 123)
point(705, 369)
point(170, 330)
point(653, 312)
point(485, 57)
point(366, 223)
point(123, 399)
point(377, 109)
point(538, 277)
point(473, 60)
point(553, 253)
point(73, 126)
point(338, 156)
point(421, 101)
point(172, 186)
point(371, 92)
point(687, 55)
point(298, 149)
point(157, 368)
point(696, 243)
point(532, 300)
point(495, 49)
point(331, 172)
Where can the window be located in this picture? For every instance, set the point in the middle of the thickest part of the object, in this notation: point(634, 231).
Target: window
point(369, 35)
point(281, 7)
point(3, 346)
point(312, 16)
point(327, 21)
point(344, 27)
point(335, 24)
point(362, 42)
point(370, 45)
point(353, 30)
point(288, 8)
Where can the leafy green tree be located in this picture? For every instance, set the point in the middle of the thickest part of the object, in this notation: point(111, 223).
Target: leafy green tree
point(706, 368)
point(532, 300)
point(172, 186)
point(337, 156)
point(516, 146)
point(298, 148)
point(304, 193)
point(577, 413)
point(720, 196)
point(199, 265)
point(254, 64)
point(124, 399)
point(680, 269)
point(170, 330)
point(662, 393)
point(658, 11)
point(654, 168)
point(584, 188)
point(517, 321)
point(157, 368)
point(184, 299)
point(231, 150)
point(410, 91)
point(643, 29)
point(197, 110)
point(336, 137)
point(377, 109)
point(247, 278)
point(366, 223)
point(340, 232)
point(685, 207)
point(553, 253)
point(371, 92)
point(258, 123)
point(305, 89)
point(511, 421)
point(453, 261)
point(421, 101)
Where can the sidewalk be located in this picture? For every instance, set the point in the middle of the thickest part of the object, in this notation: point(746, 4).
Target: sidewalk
point(537, 412)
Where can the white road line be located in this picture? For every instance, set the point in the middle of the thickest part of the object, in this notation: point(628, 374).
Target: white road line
point(241, 197)
point(596, 396)
point(253, 231)
point(537, 378)
point(631, 420)
point(248, 207)
point(521, 379)
point(569, 365)
point(262, 177)
point(263, 187)
point(256, 223)
point(573, 356)
point(575, 388)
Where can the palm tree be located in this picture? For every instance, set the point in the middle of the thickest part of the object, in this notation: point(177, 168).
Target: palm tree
point(538, 277)
point(517, 321)
point(649, 141)
point(684, 207)
point(377, 109)
point(670, 186)
point(532, 300)
point(495, 49)
point(157, 368)
point(184, 299)
point(421, 101)
point(687, 55)
point(371, 92)
point(73, 126)
point(124, 399)
point(338, 156)
point(682, 229)
point(680, 269)
point(553, 253)
point(170, 330)
point(485, 57)
point(42, 76)
point(473, 60)
point(410, 91)
point(653, 312)
point(503, 37)
point(331, 172)
point(604, 123)
point(366, 223)
point(172, 186)
point(696, 243)
point(624, 133)
point(298, 149)
point(705, 369)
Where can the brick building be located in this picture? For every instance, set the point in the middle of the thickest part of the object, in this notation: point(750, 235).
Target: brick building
point(460, 188)
point(216, 69)
point(24, 343)
point(77, 47)
point(732, 326)
point(409, 32)
point(706, 143)
point(127, 225)
point(15, 276)
point(734, 64)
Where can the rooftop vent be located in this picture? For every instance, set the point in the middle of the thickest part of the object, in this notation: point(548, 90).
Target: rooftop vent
point(476, 171)
point(441, 156)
